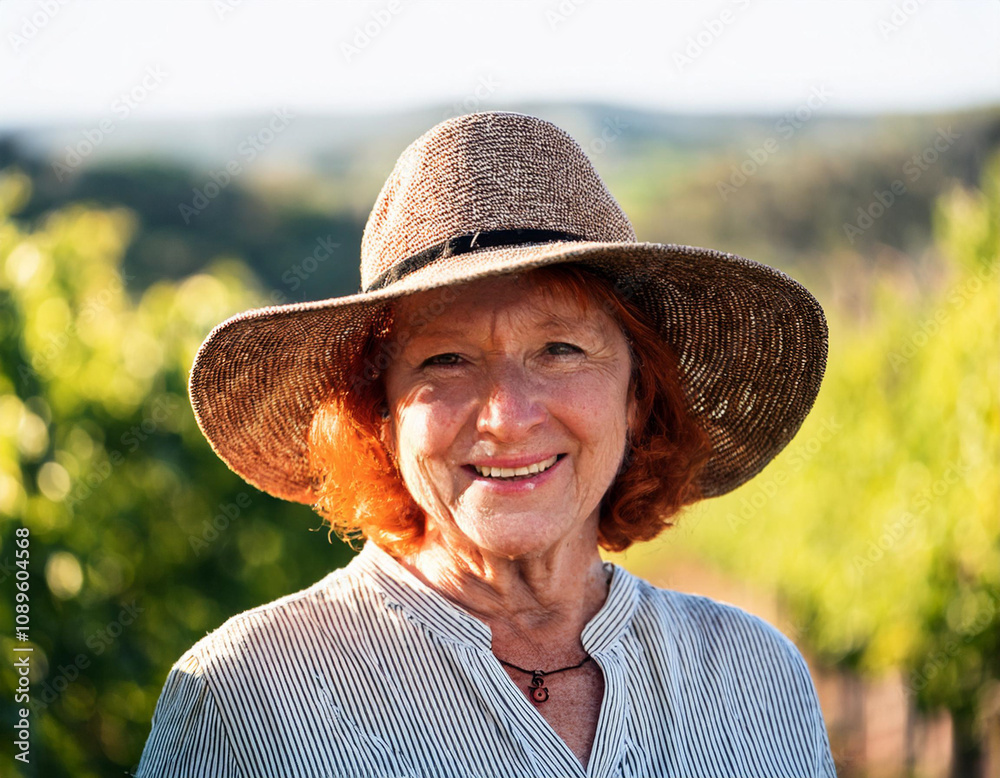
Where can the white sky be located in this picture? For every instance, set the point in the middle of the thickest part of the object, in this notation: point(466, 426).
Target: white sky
point(240, 56)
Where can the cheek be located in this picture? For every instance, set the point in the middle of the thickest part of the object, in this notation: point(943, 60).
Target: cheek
point(597, 409)
point(427, 430)
point(425, 441)
point(599, 422)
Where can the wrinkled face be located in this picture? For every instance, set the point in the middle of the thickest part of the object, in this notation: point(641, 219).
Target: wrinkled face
point(509, 412)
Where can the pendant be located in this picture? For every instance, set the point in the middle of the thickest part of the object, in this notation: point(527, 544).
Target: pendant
point(539, 693)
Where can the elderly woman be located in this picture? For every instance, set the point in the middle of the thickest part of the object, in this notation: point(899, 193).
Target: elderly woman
point(518, 384)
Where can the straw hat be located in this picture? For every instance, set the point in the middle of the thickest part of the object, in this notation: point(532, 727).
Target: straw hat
point(495, 193)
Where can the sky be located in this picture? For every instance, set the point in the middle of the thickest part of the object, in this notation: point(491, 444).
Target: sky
point(78, 60)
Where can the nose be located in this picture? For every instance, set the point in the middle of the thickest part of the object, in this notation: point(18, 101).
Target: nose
point(512, 405)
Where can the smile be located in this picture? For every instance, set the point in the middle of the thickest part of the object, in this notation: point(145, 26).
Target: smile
point(517, 472)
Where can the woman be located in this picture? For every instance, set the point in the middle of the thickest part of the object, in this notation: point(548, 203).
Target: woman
point(518, 383)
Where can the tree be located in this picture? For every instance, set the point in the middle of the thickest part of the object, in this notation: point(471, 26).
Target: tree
point(141, 540)
point(879, 525)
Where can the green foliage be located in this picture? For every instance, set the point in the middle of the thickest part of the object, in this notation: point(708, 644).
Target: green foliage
point(879, 525)
point(141, 539)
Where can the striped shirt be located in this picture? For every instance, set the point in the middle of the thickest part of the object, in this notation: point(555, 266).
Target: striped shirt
point(370, 672)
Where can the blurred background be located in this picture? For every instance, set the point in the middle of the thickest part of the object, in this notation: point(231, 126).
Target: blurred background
point(166, 165)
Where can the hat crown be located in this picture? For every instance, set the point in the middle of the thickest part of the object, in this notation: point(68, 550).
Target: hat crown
point(483, 172)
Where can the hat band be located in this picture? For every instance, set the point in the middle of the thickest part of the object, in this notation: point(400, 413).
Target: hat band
point(463, 244)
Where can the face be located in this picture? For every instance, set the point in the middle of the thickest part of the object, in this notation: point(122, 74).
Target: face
point(509, 413)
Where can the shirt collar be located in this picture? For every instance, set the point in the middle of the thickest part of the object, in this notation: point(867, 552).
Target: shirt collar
point(401, 588)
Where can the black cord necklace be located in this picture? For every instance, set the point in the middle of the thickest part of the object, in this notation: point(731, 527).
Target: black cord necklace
point(537, 690)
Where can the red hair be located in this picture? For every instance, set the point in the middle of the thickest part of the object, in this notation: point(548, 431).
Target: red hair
point(360, 492)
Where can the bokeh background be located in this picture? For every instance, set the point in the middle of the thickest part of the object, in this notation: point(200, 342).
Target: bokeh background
point(165, 165)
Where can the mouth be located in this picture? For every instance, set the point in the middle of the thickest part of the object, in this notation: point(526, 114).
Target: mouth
point(515, 473)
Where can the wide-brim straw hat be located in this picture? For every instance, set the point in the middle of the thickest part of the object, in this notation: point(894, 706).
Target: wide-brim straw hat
point(495, 193)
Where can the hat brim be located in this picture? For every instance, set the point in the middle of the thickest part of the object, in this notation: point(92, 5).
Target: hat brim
point(751, 344)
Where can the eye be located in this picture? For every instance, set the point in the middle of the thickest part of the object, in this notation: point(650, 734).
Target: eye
point(560, 349)
point(449, 358)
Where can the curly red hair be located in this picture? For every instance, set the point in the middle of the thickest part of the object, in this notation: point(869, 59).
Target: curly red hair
point(360, 492)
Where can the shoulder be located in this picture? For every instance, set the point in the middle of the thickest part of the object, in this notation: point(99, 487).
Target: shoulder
point(737, 681)
point(273, 632)
point(241, 691)
point(712, 622)
point(722, 638)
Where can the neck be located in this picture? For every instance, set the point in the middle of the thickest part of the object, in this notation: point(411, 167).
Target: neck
point(536, 605)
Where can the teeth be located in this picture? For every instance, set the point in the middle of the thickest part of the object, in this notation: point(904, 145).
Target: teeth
point(511, 472)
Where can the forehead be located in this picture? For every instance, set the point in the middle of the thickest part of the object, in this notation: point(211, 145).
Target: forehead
point(508, 301)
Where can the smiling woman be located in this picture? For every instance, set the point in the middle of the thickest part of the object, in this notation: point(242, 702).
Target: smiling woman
point(519, 383)
point(360, 490)
point(513, 379)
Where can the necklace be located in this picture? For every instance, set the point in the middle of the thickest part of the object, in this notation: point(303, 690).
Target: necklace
point(537, 690)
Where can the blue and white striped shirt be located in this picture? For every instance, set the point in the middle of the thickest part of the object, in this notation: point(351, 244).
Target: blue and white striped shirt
point(370, 672)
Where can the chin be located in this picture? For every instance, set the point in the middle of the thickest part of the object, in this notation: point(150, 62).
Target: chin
point(523, 539)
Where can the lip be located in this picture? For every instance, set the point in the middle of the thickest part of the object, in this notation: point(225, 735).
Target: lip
point(523, 484)
point(514, 462)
